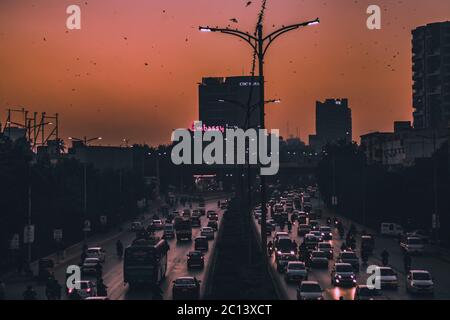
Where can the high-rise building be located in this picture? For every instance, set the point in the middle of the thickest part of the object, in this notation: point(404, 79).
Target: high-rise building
point(333, 123)
point(431, 76)
point(224, 102)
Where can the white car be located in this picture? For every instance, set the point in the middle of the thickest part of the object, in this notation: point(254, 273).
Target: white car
point(413, 245)
point(388, 278)
point(309, 290)
point(90, 265)
point(208, 233)
point(86, 289)
point(420, 282)
point(96, 252)
point(296, 271)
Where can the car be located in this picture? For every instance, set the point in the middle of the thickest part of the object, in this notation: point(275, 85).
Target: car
point(210, 213)
point(343, 275)
point(283, 259)
point(196, 213)
point(201, 244)
point(363, 292)
point(208, 233)
point(223, 206)
point(387, 278)
point(314, 224)
point(318, 235)
point(157, 225)
point(302, 218)
point(419, 282)
point(319, 259)
point(195, 222)
point(296, 271)
point(186, 213)
point(327, 248)
point(186, 288)
point(326, 233)
point(311, 241)
point(412, 245)
point(303, 229)
point(351, 258)
point(136, 226)
point(196, 259)
point(284, 245)
point(169, 231)
point(89, 265)
point(214, 217)
point(422, 234)
point(309, 290)
point(213, 224)
point(84, 288)
point(96, 252)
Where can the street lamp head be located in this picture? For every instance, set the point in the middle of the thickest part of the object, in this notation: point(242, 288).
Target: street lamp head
point(221, 100)
point(205, 29)
point(312, 23)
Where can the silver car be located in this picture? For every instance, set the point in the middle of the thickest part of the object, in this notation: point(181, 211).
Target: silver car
point(309, 290)
point(296, 271)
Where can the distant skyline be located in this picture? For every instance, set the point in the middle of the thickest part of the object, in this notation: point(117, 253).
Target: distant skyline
point(132, 70)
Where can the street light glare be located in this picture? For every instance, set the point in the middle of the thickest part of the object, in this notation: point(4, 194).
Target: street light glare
point(205, 29)
point(312, 23)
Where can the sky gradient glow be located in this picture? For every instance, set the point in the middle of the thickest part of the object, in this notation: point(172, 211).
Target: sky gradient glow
point(132, 70)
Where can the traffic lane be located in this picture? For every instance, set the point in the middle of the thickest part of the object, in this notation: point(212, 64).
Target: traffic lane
point(438, 268)
point(15, 291)
point(176, 267)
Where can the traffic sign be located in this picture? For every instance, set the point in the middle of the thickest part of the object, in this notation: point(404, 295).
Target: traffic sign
point(57, 234)
point(103, 220)
point(28, 234)
point(87, 226)
point(14, 244)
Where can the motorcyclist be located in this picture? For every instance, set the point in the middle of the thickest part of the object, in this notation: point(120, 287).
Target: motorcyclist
point(99, 271)
point(343, 246)
point(119, 248)
point(29, 293)
point(289, 225)
point(364, 256)
point(385, 257)
point(218, 204)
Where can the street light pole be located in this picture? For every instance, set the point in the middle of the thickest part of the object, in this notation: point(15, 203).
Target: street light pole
point(260, 45)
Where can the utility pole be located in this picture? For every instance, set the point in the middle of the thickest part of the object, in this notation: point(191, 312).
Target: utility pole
point(260, 44)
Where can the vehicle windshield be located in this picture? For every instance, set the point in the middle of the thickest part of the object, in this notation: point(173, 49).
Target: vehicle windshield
point(414, 241)
point(387, 272)
point(319, 254)
point(296, 266)
point(84, 285)
point(195, 254)
point(91, 260)
point(325, 229)
point(311, 288)
point(421, 276)
point(344, 268)
point(169, 228)
point(284, 243)
point(325, 246)
point(185, 281)
point(348, 255)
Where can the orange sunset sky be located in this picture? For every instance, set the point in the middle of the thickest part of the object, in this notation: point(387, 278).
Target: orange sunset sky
point(133, 68)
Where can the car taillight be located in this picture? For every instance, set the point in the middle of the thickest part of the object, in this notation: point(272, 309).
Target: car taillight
point(88, 290)
point(70, 290)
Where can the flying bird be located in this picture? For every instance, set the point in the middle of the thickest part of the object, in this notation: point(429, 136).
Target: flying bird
point(234, 20)
point(248, 3)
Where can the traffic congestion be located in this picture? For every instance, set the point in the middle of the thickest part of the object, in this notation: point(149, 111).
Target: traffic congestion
point(315, 255)
point(163, 256)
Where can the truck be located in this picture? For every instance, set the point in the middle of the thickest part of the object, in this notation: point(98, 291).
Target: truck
point(183, 230)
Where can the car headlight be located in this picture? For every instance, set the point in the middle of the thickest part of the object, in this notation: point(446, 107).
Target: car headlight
point(339, 277)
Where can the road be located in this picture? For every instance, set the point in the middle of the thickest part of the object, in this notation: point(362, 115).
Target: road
point(438, 268)
point(113, 266)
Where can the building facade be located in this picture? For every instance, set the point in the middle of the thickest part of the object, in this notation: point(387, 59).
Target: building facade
point(333, 123)
point(431, 76)
point(223, 102)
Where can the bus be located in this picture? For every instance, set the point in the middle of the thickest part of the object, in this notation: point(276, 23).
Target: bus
point(145, 262)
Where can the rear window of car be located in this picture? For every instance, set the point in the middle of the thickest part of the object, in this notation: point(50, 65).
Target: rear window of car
point(297, 266)
point(387, 272)
point(185, 281)
point(348, 255)
point(344, 268)
point(310, 287)
point(421, 276)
